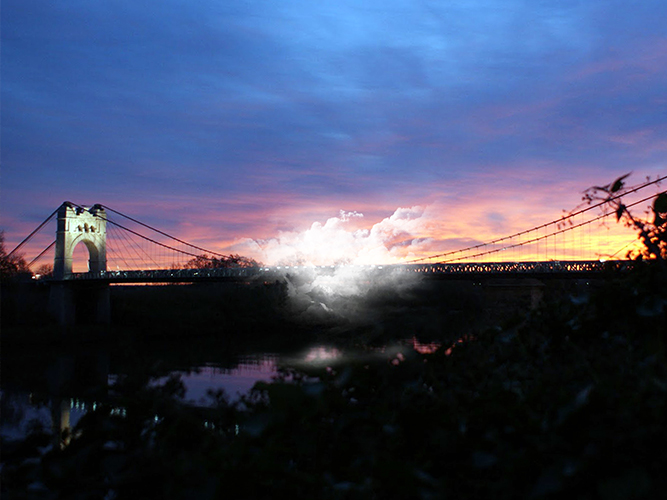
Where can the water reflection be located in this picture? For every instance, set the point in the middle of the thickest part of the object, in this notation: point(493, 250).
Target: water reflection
point(235, 382)
point(424, 347)
point(53, 391)
point(322, 355)
point(24, 413)
point(21, 414)
point(38, 388)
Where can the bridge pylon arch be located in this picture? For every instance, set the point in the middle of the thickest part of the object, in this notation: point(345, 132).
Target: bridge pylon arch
point(87, 225)
point(69, 302)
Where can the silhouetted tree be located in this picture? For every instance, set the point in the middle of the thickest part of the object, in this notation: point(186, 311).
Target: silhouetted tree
point(11, 266)
point(233, 260)
point(44, 270)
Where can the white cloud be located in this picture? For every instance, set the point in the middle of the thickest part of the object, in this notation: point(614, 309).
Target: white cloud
point(340, 240)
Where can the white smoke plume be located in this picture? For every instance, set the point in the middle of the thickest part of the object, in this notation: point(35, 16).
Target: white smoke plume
point(353, 258)
point(395, 239)
point(350, 293)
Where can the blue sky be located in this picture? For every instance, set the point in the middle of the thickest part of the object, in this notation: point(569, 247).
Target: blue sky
point(221, 120)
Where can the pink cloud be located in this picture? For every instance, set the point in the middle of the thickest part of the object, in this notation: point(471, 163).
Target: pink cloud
point(644, 61)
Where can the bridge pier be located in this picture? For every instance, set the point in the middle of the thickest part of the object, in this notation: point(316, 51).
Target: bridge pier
point(61, 303)
point(509, 292)
point(80, 303)
point(536, 293)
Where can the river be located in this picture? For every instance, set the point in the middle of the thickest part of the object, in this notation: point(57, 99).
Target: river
point(52, 388)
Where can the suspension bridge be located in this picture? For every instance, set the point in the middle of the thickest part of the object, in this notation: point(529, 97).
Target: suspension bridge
point(124, 250)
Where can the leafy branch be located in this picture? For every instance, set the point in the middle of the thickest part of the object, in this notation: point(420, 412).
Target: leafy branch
point(652, 233)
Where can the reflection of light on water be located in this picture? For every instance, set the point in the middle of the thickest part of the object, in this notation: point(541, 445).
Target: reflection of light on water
point(463, 339)
point(424, 348)
point(431, 347)
point(321, 354)
point(23, 413)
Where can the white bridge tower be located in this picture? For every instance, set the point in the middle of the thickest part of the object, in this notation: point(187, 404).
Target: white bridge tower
point(80, 301)
point(80, 225)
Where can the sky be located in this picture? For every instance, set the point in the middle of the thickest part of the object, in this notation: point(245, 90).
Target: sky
point(397, 127)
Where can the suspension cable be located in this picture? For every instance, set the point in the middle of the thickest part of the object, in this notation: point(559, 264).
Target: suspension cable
point(33, 233)
point(149, 239)
point(146, 237)
point(42, 253)
point(138, 249)
point(163, 233)
point(130, 248)
point(569, 216)
point(539, 238)
point(121, 256)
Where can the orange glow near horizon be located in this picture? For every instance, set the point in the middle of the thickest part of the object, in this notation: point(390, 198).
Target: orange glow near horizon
point(331, 243)
point(413, 235)
point(429, 234)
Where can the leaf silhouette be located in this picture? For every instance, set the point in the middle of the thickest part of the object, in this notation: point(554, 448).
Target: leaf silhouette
point(618, 183)
point(660, 203)
point(619, 212)
point(660, 209)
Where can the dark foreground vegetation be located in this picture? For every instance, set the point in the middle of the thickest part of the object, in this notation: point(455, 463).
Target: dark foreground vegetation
point(571, 401)
point(568, 400)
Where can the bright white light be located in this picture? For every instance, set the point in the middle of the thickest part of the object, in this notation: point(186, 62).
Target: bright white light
point(338, 241)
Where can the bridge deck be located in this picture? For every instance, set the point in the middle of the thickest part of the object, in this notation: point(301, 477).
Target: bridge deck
point(473, 270)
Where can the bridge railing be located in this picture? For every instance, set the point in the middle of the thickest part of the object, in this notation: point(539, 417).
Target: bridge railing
point(509, 269)
point(167, 274)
